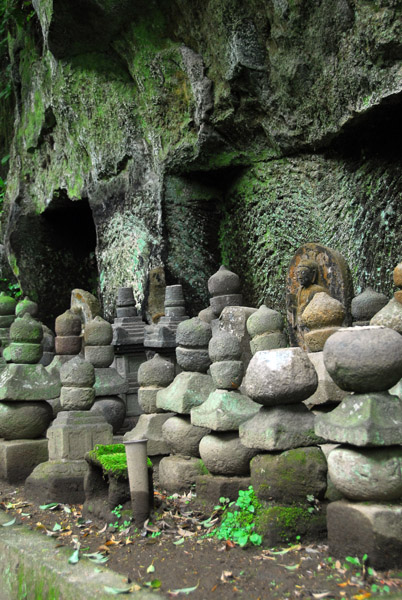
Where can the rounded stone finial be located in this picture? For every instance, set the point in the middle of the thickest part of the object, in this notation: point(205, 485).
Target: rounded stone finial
point(156, 372)
point(26, 329)
point(223, 282)
point(98, 332)
point(26, 306)
point(364, 359)
point(264, 320)
point(224, 346)
point(7, 305)
point(367, 304)
point(193, 333)
point(77, 372)
point(67, 324)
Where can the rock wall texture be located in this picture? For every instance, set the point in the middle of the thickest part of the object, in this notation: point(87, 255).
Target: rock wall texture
point(184, 133)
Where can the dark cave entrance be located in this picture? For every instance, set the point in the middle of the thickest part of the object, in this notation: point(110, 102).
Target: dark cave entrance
point(56, 253)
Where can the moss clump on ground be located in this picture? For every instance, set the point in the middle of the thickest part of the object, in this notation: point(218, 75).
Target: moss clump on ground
point(113, 459)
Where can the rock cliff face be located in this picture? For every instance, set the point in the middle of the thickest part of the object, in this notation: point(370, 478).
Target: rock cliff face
point(187, 132)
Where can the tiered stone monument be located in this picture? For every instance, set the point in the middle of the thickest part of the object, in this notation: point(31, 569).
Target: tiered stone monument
point(153, 375)
point(68, 340)
point(7, 316)
point(161, 337)
point(24, 411)
point(190, 388)
point(75, 431)
point(98, 350)
point(367, 470)
point(281, 380)
point(265, 327)
point(366, 305)
point(391, 314)
point(128, 342)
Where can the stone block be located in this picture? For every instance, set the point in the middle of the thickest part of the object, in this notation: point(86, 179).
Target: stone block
point(182, 437)
point(389, 316)
point(290, 476)
point(224, 411)
point(99, 356)
point(178, 473)
point(279, 525)
point(356, 529)
point(18, 458)
point(98, 332)
point(224, 454)
point(268, 341)
point(150, 427)
point(280, 428)
point(19, 420)
point(227, 374)
point(233, 319)
point(210, 488)
point(109, 383)
point(327, 390)
point(25, 353)
point(57, 481)
point(193, 359)
point(28, 382)
point(147, 399)
point(185, 392)
point(76, 398)
point(113, 410)
point(69, 344)
point(363, 420)
point(74, 433)
point(77, 373)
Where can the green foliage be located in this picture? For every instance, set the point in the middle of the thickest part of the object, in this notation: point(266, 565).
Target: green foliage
point(238, 525)
point(117, 512)
point(112, 457)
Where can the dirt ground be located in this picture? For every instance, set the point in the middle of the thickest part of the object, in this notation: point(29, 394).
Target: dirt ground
point(173, 554)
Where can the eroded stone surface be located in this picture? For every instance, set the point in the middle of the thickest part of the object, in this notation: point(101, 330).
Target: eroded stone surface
point(224, 411)
point(224, 454)
point(28, 382)
point(19, 420)
point(178, 473)
point(182, 437)
point(150, 427)
point(185, 392)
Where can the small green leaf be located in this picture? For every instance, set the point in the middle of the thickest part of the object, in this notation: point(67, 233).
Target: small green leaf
point(112, 590)
point(156, 584)
point(50, 506)
point(353, 560)
point(56, 527)
point(9, 523)
point(185, 590)
point(151, 569)
point(179, 542)
point(75, 557)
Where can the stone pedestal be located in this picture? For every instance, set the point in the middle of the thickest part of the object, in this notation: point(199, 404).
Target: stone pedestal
point(178, 473)
point(18, 458)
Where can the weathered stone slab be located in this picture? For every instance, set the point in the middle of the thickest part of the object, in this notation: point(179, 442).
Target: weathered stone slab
point(290, 476)
point(327, 390)
point(18, 458)
point(373, 474)
point(224, 411)
point(150, 427)
point(178, 473)
point(363, 420)
point(185, 392)
point(85, 305)
point(57, 481)
point(280, 428)
point(279, 525)
point(28, 382)
point(147, 400)
point(224, 454)
point(356, 529)
point(109, 383)
point(182, 437)
point(233, 319)
point(210, 488)
point(74, 433)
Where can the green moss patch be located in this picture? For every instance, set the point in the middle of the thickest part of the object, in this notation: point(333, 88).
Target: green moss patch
point(112, 458)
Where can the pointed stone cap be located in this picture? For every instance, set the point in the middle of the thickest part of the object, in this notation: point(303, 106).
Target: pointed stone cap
point(156, 372)
point(98, 332)
point(398, 275)
point(323, 311)
point(367, 304)
point(193, 333)
point(68, 324)
point(26, 330)
point(223, 282)
point(264, 320)
point(26, 306)
point(7, 305)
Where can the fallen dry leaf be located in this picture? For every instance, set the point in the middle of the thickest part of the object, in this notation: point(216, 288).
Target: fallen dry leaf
point(226, 576)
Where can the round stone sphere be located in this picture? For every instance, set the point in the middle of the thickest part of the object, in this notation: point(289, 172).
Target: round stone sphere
point(156, 372)
point(26, 329)
point(112, 408)
point(264, 320)
point(7, 305)
point(26, 306)
point(224, 346)
point(193, 333)
point(370, 474)
point(364, 359)
point(224, 454)
point(223, 282)
point(24, 420)
point(77, 373)
point(68, 324)
point(367, 304)
point(98, 332)
point(182, 437)
point(282, 376)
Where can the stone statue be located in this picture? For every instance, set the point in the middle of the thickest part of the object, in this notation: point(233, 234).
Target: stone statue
point(307, 274)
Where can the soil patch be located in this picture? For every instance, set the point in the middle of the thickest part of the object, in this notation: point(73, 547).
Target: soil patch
point(174, 554)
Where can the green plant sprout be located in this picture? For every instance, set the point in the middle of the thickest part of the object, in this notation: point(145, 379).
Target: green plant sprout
point(238, 525)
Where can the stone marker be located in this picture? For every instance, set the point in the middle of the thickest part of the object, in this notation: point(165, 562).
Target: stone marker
point(68, 339)
point(162, 336)
point(150, 427)
point(153, 375)
point(321, 318)
point(192, 338)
